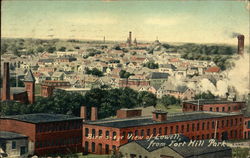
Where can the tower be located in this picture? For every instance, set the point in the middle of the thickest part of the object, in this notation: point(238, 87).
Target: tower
point(6, 82)
point(29, 82)
point(240, 44)
point(135, 42)
point(130, 38)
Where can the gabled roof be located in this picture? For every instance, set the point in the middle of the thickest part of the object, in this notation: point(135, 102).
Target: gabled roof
point(158, 75)
point(29, 77)
point(213, 69)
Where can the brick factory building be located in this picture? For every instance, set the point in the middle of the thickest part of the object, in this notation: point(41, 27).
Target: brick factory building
point(104, 136)
point(213, 105)
point(47, 133)
point(48, 86)
point(22, 94)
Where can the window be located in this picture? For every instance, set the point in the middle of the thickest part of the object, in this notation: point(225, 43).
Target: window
point(213, 124)
point(171, 130)
point(93, 147)
point(227, 123)
point(211, 109)
point(182, 128)
point(217, 109)
point(203, 125)
point(148, 132)
point(236, 121)
point(177, 129)
point(100, 133)
point(142, 132)
point(106, 149)
point(93, 132)
point(86, 132)
point(223, 109)
point(166, 131)
point(208, 124)
point(154, 132)
point(187, 127)
point(193, 127)
point(107, 134)
point(248, 124)
point(136, 132)
point(13, 145)
point(198, 126)
point(222, 123)
point(229, 108)
point(114, 136)
point(231, 122)
point(160, 131)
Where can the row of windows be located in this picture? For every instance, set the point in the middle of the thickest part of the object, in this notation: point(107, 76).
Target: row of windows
point(170, 130)
point(225, 135)
point(217, 109)
point(100, 147)
point(58, 127)
point(58, 142)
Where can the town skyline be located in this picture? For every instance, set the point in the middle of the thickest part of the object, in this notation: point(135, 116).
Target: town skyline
point(92, 20)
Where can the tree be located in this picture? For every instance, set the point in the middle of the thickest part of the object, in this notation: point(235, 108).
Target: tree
point(124, 74)
point(62, 49)
point(167, 100)
point(146, 99)
point(39, 49)
point(51, 49)
point(151, 65)
point(205, 95)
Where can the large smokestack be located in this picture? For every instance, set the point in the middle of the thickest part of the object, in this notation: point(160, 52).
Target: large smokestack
point(6, 82)
point(94, 113)
point(130, 38)
point(240, 44)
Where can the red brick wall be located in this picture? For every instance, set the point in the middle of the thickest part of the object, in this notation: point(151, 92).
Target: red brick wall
point(234, 107)
point(24, 128)
point(246, 130)
point(234, 132)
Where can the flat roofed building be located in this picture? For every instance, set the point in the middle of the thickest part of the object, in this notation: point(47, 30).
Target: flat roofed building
point(47, 133)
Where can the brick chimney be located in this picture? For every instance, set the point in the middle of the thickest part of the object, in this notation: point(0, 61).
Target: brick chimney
point(94, 115)
point(240, 44)
point(126, 113)
point(83, 112)
point(6, 82)
point(29, 82)
point(159, 115)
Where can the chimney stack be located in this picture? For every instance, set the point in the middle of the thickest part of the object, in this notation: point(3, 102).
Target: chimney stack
point(6, 82)
point(130, 38)
point(240, 44)
point(83, 112)
point(159, 115)
point(94, 116)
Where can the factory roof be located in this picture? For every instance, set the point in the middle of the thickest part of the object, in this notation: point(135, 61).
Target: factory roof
point(41, 117)
point(147, 120)
point(211, 101)
point(10, 135)
point(185, 150)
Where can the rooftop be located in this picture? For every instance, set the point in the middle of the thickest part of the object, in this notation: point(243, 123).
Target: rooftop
point(41, 117)
point(29, 77)
point(211, 101)
point(147, 120)
point(184, 150)
point(10, 135)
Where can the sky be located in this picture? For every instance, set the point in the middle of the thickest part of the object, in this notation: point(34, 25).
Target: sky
point(170, 21)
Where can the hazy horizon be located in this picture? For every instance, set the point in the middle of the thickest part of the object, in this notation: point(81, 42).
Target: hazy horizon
point(171, 21)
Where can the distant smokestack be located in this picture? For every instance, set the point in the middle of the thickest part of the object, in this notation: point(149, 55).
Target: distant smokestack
point(130, 38)
point(6, 82)
point(94, 113)
point(83, 112)
point(240, 44)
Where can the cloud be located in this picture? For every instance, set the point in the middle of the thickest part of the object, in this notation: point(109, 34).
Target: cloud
point(166, 21)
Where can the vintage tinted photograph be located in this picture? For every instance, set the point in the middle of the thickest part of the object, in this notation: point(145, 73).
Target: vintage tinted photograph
point(125, 79)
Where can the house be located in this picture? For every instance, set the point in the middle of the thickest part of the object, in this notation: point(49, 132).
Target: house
point(157, 78)
point(58, 76)
point(167, 68)
point(13, 145)
point(212, 70)
point(171, 147)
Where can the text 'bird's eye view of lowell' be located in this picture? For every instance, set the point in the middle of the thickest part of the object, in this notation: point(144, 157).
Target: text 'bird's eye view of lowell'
point(125, 79)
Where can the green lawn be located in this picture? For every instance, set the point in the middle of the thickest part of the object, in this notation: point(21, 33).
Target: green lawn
point(170, 108)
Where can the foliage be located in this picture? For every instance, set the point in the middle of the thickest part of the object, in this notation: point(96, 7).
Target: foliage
point(39, 49)
point(151, 65)
point(92, 52)
point(62, 49)
point(205, 95)
point(124, 74)
point(146, 99)
point(51, 49)
point(94, 72)
point(241, 152)
point(167, 100)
